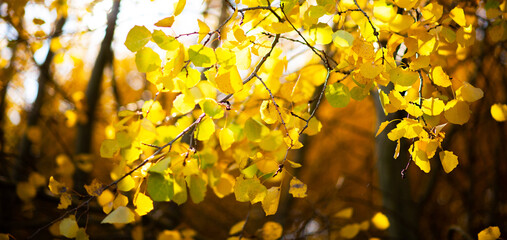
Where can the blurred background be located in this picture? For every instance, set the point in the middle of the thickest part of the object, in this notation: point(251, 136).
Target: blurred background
point(63, 66)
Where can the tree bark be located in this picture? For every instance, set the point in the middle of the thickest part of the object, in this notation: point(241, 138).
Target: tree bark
point(396, 197)
point(85, 130)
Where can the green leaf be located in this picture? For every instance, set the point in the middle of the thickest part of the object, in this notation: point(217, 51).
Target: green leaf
point(211, 108)
point(161, 166)
point(201, 56)
point(180, 191)
point(337, 95)
point(137, 37)
point(165, 42)
point(160, 187)
point(147, 60)
point(197, 188)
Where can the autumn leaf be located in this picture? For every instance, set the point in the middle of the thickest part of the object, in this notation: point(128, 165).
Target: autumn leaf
point(120, 215)
point(137, 37)
point(380, 221)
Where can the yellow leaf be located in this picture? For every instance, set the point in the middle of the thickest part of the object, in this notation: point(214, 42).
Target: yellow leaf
point(314, 126)
point(420, 62)
point(108, 148)
point(153, 111)
point(270, 202)
point(380, 221)
point(81, 234)
point(396, 100)
point(254, 130)
point(25, 191)
point(490, 233)
point(165, 22)
point(55, 187)
point(365, 225)
point(297, 188)
point(421, 159)
point(36, 179)
point(105, 198)
point(414, 110)
point(271, 231)
point(269, 114)
point(397, 150)
point(143, 204)
point(449, 160)
point(203, 30)
point(226, 138)
point(433, 11)
point(202, 56)
point(370, 70)
point(178, 7)
point(344, 213)
point(433, 106)
point(349, 231)
point(401, 23)
point(137, 37)
point(292, 140)
point(205, 129)
point(383, 11)
point(69, 227)
point(469, 93)
point(94, 189)
point(65, 201)
point(126, 184)
point(457, 112)
point(120, 215)
point(342, 38)
point(408, 4)
point(249, 190)
point(271, 141)
point(237, 228)
point(439, 77)
point(120, 201)
point(382, 126)
point(224, 186)
point(211, 108)
point(458, 15)
point(228, 81)
point(499, 112)
point(169, 235)
point(403, 77)
point(321, 33)
point(225, 57)
point(184, 103)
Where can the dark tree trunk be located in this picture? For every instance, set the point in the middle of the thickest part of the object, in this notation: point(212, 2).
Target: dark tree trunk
point(85, 130)
point(396, 197)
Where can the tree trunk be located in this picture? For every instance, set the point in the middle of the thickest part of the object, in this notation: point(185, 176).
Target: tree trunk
point(396, 197)
point(85, 130)
point(25, 161)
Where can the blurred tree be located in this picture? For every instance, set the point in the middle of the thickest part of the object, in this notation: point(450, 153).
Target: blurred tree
point(321, 114)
